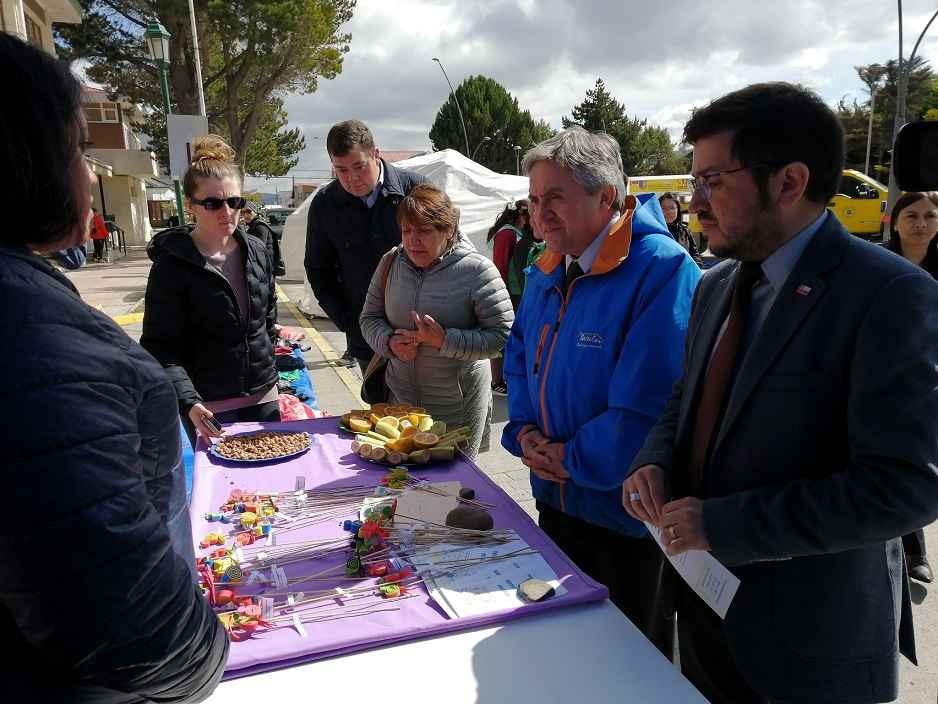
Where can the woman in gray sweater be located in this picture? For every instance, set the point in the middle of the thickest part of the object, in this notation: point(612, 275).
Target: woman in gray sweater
point(442, 314)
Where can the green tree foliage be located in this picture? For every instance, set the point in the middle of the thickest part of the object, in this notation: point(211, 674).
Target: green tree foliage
point(930, 104)
point(495, 123)
point(253, 53)
point(854, 116)
point(646, 149)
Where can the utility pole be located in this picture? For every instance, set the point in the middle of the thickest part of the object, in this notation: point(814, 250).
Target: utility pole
point(198, 59)
point(901, 89)
point(871, 76)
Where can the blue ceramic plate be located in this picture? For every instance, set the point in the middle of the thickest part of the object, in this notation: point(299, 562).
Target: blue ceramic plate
point(213, 450)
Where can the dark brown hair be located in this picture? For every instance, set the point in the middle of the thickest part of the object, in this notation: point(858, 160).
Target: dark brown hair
point(509, 216)
point(40, 143)
point(775, 124)
point(903, 202)
point(347, 136)
point(428, 205)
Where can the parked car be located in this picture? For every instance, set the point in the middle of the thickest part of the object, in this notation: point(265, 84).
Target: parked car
point(276, 217)
point(860, 204)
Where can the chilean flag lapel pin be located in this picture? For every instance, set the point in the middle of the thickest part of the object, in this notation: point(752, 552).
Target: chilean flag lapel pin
point(803, 290)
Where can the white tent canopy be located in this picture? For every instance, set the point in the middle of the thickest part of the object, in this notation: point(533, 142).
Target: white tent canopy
point(480, 195)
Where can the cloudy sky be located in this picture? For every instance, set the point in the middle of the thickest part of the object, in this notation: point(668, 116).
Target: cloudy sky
point(659, 59)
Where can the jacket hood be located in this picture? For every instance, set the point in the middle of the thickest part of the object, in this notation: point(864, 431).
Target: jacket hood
point(178, 242)
point(648, 217)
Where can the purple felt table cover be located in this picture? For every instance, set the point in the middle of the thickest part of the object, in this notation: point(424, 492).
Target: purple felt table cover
point(331, 463)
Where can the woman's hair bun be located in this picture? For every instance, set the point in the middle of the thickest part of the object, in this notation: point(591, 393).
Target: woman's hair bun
point(211, 147)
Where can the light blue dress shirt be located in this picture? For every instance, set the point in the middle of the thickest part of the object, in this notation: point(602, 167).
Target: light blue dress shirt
point(776, 268)
point(372, 197)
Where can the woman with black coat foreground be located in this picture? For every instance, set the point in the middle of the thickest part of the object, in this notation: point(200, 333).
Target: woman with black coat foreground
point(97, 596)
point(211, 308)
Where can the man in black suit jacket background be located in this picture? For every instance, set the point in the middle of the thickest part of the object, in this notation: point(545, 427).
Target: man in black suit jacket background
point(800, 440)
point(352, 222)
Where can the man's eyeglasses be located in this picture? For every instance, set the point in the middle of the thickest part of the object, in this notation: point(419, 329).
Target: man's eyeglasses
point(700, 184)
point(235, 202)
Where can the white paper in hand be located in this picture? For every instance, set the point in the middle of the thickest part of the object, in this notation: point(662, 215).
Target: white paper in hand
point(711, 581)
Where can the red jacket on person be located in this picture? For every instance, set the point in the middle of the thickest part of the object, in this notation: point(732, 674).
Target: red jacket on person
point(98, 228)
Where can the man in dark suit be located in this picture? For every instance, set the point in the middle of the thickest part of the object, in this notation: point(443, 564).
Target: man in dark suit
point(352, 222)
point(800, 440)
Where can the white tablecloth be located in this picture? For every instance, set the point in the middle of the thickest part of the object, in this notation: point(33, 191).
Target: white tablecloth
point(589, 654)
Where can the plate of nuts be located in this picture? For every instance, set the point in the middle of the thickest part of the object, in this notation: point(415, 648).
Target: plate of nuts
point(260, 446)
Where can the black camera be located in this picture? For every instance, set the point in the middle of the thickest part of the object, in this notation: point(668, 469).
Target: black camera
point(915, 156)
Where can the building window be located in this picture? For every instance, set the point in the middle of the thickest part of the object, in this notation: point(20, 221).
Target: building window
point(33, 32)
point(101, 112)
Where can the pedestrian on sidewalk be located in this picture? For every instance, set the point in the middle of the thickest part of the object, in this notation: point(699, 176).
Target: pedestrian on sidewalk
point(97, 594)
point(99, 235)
point(511, 237)
point(257, 226)
point(913, 230)
point(352, 222)
point(438, 311)
point(211, 307)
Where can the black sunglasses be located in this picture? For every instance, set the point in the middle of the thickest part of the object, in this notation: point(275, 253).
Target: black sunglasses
point(235, 202)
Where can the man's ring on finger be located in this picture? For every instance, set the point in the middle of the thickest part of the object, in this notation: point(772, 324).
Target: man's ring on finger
point(635, 496)
point(673, 532)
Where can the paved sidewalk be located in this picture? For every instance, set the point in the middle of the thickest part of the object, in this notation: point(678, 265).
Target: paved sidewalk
point(118, 290)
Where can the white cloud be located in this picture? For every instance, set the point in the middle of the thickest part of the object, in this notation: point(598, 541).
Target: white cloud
point(659, 59)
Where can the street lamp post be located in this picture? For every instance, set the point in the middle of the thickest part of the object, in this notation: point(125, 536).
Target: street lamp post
point(871, 76)
point(899, 121)
point(465, 134)
point(517, 149)
point(476, 150)
point(197, 58)
point(158, 42)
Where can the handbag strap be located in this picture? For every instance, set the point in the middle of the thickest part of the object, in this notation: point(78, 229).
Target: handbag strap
point(387, 262)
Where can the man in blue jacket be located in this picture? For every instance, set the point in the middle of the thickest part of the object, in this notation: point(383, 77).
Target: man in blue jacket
point(592, 356)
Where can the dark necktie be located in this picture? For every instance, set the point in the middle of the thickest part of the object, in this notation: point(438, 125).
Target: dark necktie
point(574, 271)
point(719, 373)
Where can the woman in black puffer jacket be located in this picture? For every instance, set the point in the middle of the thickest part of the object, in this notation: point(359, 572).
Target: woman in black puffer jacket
point(97, 595)
point(211, 307)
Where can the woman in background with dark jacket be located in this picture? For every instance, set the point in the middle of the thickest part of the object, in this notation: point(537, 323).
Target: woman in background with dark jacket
point(913, 230)
point(671, 207)
point(255, 225)
point(211, 309)
point(97, 596)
